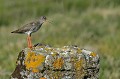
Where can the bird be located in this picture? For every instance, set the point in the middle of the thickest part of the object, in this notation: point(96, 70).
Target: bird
point(30, 28)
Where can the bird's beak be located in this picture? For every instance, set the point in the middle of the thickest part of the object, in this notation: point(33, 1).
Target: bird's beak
point(49, 21)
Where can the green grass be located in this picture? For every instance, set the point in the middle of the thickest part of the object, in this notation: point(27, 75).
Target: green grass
point(90, 24)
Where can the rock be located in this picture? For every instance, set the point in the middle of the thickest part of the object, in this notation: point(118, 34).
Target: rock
point(45, 62)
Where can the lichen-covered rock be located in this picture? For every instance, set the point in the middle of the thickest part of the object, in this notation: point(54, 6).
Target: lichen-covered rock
point(45, 62)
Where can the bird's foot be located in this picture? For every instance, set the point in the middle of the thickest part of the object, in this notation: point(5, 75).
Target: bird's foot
point(31, 47)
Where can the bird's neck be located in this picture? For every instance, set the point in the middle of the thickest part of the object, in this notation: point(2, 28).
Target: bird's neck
point(40, 23)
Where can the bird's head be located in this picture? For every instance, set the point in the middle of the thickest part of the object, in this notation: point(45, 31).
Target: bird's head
point(42, 19)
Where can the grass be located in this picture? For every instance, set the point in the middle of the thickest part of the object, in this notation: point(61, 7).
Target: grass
point(91, 24)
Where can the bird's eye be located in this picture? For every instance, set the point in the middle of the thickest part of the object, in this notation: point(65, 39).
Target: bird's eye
point(44, 17)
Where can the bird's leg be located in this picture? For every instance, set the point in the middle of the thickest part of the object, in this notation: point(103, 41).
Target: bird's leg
point(29, 41)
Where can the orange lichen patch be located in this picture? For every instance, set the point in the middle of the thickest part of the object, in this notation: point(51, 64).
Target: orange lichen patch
point(93, 54)
point(33, 61)
point(43, 78)
point(35, 70)
point(78, 64)
point(58, 63)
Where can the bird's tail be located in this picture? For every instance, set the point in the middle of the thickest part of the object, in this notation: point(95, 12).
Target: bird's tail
point(14, 31)
point(17, 31)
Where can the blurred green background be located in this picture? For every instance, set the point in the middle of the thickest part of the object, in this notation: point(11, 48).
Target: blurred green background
point(89, 24)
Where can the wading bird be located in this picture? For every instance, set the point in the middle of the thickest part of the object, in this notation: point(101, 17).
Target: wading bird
point(31, 28)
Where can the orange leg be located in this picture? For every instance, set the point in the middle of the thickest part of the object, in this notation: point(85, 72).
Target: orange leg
point(29, 42)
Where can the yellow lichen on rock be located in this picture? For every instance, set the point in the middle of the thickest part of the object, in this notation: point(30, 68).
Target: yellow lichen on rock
point(79, 50)
point(93, 54)
point(58, 63)
point(78, 64)
point(56, 75)
point(45, 62)
point(33, 61)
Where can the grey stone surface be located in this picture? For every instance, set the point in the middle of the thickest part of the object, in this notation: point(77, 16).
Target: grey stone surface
point(45, 62)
